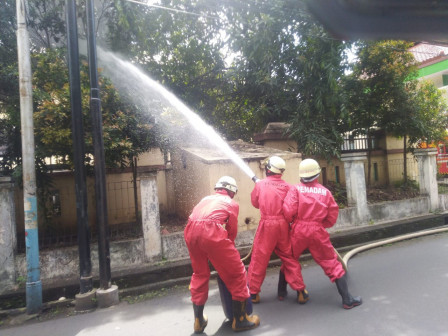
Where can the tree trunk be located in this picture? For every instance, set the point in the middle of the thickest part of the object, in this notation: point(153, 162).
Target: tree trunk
point(134, 182)
point(369, 157)
point(405, 162)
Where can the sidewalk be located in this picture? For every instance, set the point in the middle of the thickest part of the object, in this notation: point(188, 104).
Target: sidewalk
point(137, 281)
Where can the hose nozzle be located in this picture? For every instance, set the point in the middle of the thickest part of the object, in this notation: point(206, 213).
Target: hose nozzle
point(255, 179)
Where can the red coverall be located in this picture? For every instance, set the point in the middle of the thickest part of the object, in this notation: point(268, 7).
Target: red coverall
point(313, 209)
point(207, 239)
point(272, 235)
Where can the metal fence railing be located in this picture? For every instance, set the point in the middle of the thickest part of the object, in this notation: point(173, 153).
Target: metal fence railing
point(353, 144)
point(443, 185)
point(59, 228)
point(396, 170)
point(121, 202)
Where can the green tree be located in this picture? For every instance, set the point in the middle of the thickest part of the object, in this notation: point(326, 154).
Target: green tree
point(180, 48)
point(9, 87)
point(321, 118)
point(288, 69)
point(431, 114)
point(127, 131)
point(384, 93)
point(9, 84)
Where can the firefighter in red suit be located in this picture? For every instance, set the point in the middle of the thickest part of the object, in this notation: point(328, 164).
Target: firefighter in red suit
point(273, 234)
point(210, 234)
point(312, 209)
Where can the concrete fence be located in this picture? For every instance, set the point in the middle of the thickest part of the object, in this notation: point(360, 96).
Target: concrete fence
point(62, 264)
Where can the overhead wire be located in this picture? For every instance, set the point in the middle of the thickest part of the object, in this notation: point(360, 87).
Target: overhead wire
point(171, 9)
point(255, 3)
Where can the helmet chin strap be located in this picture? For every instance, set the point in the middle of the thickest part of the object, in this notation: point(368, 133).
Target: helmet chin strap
point(230, 193)
point(310, 179)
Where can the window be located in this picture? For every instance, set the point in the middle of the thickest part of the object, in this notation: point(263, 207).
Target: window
point(55, 201)
point(375, 172)
point(324, 176)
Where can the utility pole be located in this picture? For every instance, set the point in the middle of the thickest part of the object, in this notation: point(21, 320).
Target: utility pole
point(107, 295)
point(33, 283)
point(84, 298)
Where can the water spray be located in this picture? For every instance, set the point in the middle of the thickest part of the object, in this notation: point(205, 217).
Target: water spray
point(138, 81)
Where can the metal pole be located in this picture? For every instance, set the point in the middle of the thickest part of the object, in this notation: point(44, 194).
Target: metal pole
point(98, 152)
point(33, 283)
point(85, 265)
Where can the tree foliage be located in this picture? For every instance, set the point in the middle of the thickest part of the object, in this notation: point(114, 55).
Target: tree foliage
point(384, 93)
point(320, 119)
point(179, 49)
point(127, 132)
point(9, 86)
point(238, 64)
point(431, 117)
point(288, 69)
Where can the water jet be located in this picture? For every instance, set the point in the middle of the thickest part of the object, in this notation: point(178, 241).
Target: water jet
point(128, 78)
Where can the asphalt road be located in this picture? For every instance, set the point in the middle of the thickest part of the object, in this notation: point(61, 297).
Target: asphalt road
point(404, 288)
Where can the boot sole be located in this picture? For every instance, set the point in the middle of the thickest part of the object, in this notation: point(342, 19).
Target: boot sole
point(352, 306)
point(246, 328)
point(201, 331)
point(302, 299)
point(282, 294)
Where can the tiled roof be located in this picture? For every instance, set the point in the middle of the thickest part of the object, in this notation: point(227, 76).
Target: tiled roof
point(428, 53)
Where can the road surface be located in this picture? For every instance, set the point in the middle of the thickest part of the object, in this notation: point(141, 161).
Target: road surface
point(404, 287)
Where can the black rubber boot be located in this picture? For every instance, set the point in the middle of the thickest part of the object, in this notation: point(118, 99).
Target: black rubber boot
point(282, 289)
point(242, 321)
point(200, 320)
point(348, 301)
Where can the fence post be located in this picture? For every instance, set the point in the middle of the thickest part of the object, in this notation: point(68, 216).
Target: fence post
point(150, 216)
point(355, 182)
point(427, 169)
point(8, 240)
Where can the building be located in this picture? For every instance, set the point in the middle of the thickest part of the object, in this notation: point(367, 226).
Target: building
point(433, 66)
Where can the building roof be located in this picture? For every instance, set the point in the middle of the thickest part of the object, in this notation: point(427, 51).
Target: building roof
point(427, 54)
point(244, 150)
point(272, 131)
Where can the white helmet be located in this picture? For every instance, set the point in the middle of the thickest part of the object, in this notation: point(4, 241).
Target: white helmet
point(276, 165)
point(228, 183)
point(308, 168)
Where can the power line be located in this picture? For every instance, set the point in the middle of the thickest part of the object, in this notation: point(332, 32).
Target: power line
point(273, 6)
point(173, 9)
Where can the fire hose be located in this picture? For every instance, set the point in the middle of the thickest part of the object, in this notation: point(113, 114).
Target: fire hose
point(351, 253)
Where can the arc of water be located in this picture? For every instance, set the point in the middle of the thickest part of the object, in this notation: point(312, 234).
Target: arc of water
point(199, 124)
